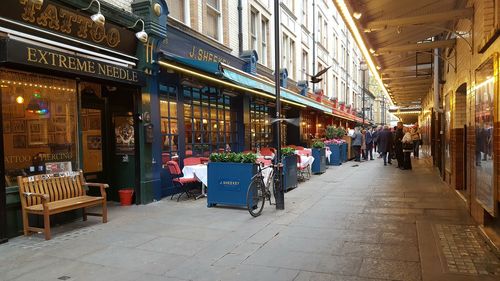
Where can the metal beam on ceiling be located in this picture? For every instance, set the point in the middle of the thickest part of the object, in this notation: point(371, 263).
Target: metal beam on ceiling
point(408, 68)
point(406, 78)
point(416, 47)
point(420, 20)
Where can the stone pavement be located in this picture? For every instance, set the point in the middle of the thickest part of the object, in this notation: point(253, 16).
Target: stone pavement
point(352, 223)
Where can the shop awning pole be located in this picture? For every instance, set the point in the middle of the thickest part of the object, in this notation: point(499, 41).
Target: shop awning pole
point(280, 194)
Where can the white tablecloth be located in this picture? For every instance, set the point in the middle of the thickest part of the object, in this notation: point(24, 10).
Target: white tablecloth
point(328, 152)
point(306, 160)
point(196, 171)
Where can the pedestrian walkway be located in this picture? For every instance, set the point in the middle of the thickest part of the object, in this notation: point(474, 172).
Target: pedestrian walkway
point(364, 223)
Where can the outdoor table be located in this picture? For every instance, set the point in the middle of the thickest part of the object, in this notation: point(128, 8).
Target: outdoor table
point(199, 172)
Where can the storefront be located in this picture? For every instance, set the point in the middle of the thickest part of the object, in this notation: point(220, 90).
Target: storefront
point(68, 92)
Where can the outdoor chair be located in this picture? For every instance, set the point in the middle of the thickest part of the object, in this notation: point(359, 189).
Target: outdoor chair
point(303, 172)
point(179, 180)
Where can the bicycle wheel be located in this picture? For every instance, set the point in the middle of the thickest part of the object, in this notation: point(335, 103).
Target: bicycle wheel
point(256, 197)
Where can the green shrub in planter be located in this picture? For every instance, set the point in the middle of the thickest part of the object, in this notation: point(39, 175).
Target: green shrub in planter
point(287, 151)
point(318, 144)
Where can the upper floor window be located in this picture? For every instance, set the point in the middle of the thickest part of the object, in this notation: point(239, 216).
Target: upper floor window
point(323, 27)
point(176, 9)
point(305, 65)
point(305, 12)
point(259, 35)
point(212, 26)
point(264, 52)
point(253, 29)
point(288, 62)
point(289, 4)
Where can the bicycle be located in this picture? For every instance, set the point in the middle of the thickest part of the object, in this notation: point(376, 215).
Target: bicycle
point(259, 191)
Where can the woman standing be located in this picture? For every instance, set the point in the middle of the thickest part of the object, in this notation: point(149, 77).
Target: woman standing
point(416, 139)
point(407, 149)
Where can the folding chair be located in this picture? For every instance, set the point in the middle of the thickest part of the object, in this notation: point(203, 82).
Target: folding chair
point(179, 180)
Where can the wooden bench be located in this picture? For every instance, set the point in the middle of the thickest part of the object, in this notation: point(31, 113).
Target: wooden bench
point(56, 193)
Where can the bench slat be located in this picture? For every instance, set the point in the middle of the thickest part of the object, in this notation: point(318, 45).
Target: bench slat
point(73, 203)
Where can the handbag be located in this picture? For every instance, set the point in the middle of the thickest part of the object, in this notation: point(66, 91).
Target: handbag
point(407, 146)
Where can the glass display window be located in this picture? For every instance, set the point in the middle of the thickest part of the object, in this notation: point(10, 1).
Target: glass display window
point(486, 100)
point(261, 134)
point(39, 123)
point(210, 123)
point(169, 127)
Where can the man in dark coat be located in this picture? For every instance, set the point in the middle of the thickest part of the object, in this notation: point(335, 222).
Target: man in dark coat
point(385, 144)
point(398, 144)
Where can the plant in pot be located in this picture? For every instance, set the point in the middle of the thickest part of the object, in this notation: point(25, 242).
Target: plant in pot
point(229, 175)
point(289, 160)
point(319, 154)
point(335, 144)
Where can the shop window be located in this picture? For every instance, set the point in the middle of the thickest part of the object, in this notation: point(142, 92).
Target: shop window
point(168, 125)
point(210, 123)
point(39, 125)
point(261, 135)
point(307, 127)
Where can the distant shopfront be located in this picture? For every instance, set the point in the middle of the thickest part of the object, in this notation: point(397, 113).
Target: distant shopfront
point(67, 99)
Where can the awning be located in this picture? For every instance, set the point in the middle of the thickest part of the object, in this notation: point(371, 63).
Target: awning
point(247, 81)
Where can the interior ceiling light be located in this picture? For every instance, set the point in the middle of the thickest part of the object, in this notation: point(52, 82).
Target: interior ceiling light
point(378, 67)
point(342, 7)
point(97, 18)
point(372, 51)
point(141, 35)
point(356, 15)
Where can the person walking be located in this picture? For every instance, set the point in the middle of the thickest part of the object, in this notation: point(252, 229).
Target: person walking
point(407, 145)
point(376, 133)
point(416, 139)
point(363, 144)
point(398, 144)
point(369, 143)
point(385, 141)
point(356, 143)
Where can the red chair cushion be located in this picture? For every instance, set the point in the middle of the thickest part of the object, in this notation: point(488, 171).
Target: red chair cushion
point(185, 180)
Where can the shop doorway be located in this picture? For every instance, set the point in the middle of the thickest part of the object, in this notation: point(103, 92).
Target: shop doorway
point(94, 141)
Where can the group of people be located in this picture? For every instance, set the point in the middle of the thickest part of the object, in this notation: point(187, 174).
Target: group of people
point(398, 143)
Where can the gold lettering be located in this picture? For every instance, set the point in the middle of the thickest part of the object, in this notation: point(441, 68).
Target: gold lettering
point(97, 33)
point(113, 37)
point(123, 74)
point(205, 55)
point(29, 10)
point(102, 69)
point(68, 18)
point(116, 73)
point(84, 23)
point(82, 66)
point(200, 54)
point(191, 54)
point(72, 63)
point(42, 58)
point(91, 67)
point(62, 61)
point(53, 58)
point(49, 17)
point(32, 55)
point(134, 76)
point(210, 57)
point(109, 71)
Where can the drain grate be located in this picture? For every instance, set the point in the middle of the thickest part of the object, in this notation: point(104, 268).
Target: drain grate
point(464, 251)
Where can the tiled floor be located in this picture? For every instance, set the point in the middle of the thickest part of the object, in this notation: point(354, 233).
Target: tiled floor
point(365, 223)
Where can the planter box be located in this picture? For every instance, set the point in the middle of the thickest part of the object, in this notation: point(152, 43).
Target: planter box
point(319, 164)
point(289, 172)
point(228, 183)
point(335, 159)
point(343, 152)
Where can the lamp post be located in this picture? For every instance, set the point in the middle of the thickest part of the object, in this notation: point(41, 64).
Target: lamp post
point(280, 193)
point(363, 68)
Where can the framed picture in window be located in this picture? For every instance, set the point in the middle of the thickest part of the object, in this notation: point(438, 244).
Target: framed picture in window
point(59, 109)
point(6, 127)
point(18, 126)
point(37, 132)
point(94, 122)
point(19, 141)
point(17, 110)
point(59, 124)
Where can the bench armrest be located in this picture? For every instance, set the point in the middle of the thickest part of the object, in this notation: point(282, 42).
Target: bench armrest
point(102, 186)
